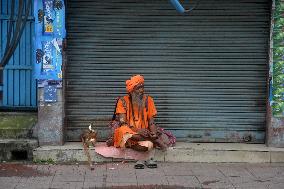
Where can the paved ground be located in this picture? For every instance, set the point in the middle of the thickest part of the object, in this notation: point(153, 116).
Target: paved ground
point(123, 175)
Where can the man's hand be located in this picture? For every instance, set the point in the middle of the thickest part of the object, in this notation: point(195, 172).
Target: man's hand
point(153, 136)
point(145, 133)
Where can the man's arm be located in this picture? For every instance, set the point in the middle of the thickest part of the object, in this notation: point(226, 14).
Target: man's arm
point(141, 132)
point(152, 127)
point(122, 119)
point(123, 122)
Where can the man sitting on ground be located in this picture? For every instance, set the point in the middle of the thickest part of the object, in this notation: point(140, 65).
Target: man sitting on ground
point(136, 112)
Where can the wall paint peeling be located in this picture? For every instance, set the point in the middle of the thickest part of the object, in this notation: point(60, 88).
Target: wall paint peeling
point(278, 59)
point(275, 129)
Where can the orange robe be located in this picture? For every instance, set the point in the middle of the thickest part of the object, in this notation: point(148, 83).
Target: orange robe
point(123, 133)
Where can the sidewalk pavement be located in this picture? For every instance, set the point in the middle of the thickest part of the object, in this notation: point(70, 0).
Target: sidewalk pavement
point(123, 175)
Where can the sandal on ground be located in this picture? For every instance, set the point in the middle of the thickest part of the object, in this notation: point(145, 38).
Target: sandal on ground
point(139, 165)
point(151, 163)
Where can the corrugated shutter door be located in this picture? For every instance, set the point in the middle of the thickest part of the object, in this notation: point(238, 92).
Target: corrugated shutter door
point(206, 70)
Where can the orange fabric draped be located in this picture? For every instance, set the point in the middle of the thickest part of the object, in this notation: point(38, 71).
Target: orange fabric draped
point(125, 131)
point(121, 135)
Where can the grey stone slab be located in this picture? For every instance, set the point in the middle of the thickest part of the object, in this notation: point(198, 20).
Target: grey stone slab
point(121, 178)
point(278, 179)
point(205, 170)
point(48, 169)
point(69, 185)
point(257, 185)
point(34, 185)
point(120, 166)
point(177, 169)
point(35, 182)
point(68, 178)
point(157, 171)
point(39, 179)
point(90, 177)
point(185, 181)
point(146, 175)
point(152, 180)
point(212, 175)
point(8, 182)
point(214, 182)
point(264, 173)
point(132, 181)
point(23, 185)
point(94, 174)
point(22, 182)
point(88, 185)
point(121, 184)
point(236, 173)
point(276, 186)
point(22, 179)
point(95, 179)
point(69, 168)
point(99, 170)
point(116, 170)
point(241, 179)
point(41, 185)
point(67, 175)
point(234, 170)
point(218, 185)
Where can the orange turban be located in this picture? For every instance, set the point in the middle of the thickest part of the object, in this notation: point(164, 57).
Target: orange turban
point(134, 81)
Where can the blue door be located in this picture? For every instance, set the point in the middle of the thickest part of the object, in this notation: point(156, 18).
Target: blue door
point(17, 85)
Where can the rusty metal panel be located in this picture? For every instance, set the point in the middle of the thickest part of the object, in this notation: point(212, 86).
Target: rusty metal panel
point(205, 70)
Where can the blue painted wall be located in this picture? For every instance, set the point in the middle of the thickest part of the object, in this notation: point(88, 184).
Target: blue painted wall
point(19, 87)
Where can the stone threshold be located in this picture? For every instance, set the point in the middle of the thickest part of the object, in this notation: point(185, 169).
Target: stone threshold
point(182, 152)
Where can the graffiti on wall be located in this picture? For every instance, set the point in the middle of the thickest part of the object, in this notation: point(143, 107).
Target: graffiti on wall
point(49, 33)
point(277, 82)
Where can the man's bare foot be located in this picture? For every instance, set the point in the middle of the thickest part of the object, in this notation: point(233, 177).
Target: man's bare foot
point(153, 136)
point(137, 147)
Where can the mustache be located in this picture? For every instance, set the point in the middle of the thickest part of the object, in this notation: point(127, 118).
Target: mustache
point(137, 96)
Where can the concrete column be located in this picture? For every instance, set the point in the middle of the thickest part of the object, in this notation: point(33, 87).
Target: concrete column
point(275, 132)
point(50, 119)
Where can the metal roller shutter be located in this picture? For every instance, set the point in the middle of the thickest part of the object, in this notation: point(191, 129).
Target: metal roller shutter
point(206, 70)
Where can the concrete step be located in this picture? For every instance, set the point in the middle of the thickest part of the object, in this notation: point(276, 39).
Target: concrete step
point(182, 152)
